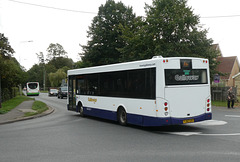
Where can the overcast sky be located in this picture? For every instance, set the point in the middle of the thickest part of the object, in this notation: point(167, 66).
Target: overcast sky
point(31, 28)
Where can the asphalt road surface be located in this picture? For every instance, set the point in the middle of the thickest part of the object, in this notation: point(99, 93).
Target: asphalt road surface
point(65, 136)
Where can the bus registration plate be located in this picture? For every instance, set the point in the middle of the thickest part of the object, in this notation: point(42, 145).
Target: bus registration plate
point(188, 121)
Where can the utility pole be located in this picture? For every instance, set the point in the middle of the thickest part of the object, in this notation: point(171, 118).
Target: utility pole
point(44, 71)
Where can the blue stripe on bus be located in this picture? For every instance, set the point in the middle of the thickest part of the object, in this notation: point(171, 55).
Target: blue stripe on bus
point(144, 120)
point(105, 114)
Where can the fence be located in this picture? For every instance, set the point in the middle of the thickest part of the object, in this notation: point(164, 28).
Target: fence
point(220, 93)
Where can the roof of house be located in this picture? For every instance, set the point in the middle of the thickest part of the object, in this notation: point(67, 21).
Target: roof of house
point(226, 65)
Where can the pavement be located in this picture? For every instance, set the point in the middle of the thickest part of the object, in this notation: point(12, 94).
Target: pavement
point(17, 114)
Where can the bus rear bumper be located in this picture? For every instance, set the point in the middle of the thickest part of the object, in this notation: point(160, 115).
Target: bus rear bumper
point(152, 121)
point(206, 116)
point(33, 94)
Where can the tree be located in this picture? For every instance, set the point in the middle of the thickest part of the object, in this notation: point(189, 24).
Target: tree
point(5, 48)
point(56, 78)
point(35, 74)
point(60, 62)
point(54, 51)
point(11, 73)
point(171, 30)
point(105, 34)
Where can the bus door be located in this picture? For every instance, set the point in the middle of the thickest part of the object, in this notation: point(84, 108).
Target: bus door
point(72, 93)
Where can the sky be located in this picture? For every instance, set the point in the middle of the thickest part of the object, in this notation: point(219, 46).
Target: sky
point(31, 28)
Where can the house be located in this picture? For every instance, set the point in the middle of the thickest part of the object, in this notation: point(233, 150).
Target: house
point(229, 66)
point(236, 81)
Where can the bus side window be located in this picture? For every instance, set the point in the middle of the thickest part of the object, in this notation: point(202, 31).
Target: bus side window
point(80, 86)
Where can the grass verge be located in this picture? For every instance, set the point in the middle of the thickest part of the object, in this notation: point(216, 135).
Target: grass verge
point(39, 107)
point(224, 104)
point(219, 103)
point(12, 103)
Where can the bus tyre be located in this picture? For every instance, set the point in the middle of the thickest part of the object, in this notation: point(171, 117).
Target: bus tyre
point(122, 117)
point(81, 110)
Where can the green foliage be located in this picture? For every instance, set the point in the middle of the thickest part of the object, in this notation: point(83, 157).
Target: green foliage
point(57, 59)
point(105, 34)
point(35, 74)
point(5, 48)
point(11, 73)
point(171, 30)
point(81, 64)
point(55, 50)
point(60, 62)
point(56, 78)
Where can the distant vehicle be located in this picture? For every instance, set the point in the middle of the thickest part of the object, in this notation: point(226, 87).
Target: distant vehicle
point(155, 92)
point(32, 89)
point(53, 92)
point(62, 92)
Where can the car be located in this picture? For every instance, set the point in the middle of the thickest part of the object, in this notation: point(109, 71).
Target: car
point(62, 92)
point(53, 92)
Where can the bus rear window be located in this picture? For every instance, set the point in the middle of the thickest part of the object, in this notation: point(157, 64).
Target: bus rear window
point(32, 85)
point(185, 76)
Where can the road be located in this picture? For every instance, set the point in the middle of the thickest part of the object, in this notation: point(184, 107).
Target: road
point(65, 136)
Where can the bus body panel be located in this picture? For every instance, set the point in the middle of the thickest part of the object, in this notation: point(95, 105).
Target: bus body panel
point(184, 104)
point(106, 107)
point(148, 112)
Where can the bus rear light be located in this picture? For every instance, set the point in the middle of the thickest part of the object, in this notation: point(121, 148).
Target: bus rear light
point(165, 103)
point(166, 113)
point(208, 105)
point(208, 109)
point(166, 108)
point(205, 61)
point(208, 100)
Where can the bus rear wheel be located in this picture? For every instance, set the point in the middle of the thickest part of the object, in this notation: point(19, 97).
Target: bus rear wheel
point(122, 116)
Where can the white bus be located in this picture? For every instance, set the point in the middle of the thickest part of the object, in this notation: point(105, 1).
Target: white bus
point(32, 88)
point(155, 92)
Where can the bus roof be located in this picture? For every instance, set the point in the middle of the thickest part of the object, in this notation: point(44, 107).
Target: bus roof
point(149, 63)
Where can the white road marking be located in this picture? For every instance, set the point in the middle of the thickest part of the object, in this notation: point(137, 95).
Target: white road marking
point(201, 134)
point(205, 123)
point(230, 134)
point(233, 116)
point(185, 133)
point(210, 123)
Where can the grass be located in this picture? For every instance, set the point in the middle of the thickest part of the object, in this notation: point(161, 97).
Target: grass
point(39, 107)
point(12, 103)
point(224, 104)
point(219, 103)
